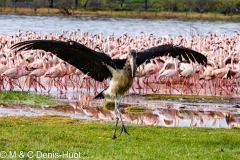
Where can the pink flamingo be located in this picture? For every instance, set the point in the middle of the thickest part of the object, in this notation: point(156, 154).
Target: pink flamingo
point(37, 73)
point(148, 70)
point(188, 70)
point(13, 74)
point(37, 63)
point(206, 76)
point(56, 74)
point(169, 70)
point(3, 68)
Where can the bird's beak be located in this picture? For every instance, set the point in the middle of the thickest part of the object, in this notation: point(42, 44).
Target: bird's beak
point(133, 63)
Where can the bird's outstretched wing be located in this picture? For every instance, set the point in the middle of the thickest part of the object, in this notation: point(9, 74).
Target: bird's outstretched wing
point(182, 53)
point(87, 60)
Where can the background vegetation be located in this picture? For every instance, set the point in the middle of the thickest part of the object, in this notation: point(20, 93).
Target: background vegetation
point(226, 7)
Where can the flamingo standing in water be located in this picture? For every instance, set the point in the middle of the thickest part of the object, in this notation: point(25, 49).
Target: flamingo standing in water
point(14, 74)
point(212, 73)
point(188, 70)
point(169, 70)
point(56, 73)
point(147, 70)
point(37, 73)
point(234, 74)
point(5, 63)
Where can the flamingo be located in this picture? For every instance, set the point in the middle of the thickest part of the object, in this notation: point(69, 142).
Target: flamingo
point(37, 73)
point(147, 70)
point(169, 70)
point(56, 73)
point(186, 71)
point(13, 74)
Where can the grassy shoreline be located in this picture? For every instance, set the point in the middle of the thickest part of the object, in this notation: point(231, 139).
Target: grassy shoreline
point(24, 97)
point(27, 98)
point(93, 139)
point(142, 14)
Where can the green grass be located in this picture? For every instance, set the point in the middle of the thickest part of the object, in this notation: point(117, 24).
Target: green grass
point(183, 97)
point(93, 139)
point(23, 97)
point(108, 106)
point(137, 109)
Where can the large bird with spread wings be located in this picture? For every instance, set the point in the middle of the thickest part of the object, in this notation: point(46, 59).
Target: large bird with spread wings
point(100, 66)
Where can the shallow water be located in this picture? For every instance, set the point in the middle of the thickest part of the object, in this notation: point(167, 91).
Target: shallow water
point(201, 113)
point(11, 23)
point(163, 113)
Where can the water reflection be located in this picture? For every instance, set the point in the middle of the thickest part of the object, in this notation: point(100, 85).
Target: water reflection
point(169, 114)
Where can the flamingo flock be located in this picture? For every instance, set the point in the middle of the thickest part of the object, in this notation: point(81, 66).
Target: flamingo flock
point(39, 71)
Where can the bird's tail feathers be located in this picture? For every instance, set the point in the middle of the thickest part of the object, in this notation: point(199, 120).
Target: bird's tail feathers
point(100, 95)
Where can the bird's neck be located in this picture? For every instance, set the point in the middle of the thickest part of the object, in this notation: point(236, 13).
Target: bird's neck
point(127, 68)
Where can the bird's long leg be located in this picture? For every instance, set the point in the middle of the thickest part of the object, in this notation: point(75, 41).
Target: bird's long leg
point(116, 111)
point(114, 133)
point(123, 128)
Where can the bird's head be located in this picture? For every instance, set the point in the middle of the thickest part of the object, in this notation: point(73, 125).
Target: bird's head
point(132, 59)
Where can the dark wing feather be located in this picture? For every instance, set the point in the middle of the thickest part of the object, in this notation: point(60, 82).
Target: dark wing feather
point(182, 53)
point(87, 60)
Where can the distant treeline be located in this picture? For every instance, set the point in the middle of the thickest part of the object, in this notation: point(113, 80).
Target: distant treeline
point(226, 7)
